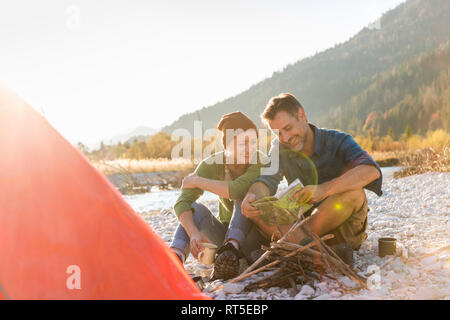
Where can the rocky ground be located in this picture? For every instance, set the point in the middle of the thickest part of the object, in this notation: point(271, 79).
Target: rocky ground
point(414, 209)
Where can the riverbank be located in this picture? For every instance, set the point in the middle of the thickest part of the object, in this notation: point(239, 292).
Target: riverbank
point(414, 209)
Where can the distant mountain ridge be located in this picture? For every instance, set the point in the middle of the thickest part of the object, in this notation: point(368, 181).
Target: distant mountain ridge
point(140, 133)
point(331, 84)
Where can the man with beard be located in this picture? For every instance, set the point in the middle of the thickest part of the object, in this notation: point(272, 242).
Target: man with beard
point(333, 168)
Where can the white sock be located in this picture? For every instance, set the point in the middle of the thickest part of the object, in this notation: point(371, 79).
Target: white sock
point(234, 243)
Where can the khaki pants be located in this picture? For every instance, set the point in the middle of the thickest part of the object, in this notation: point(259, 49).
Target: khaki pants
point(353, 230)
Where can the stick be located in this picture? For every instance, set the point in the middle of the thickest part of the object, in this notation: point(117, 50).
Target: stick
point(257, 262)
point(293, 253)
point(319, 245)
point(345, 269)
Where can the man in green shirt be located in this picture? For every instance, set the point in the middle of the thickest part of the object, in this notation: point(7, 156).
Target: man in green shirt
point(228, 174)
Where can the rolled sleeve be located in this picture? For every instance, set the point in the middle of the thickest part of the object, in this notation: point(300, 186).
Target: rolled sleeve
point(185, 200)
point(189, 196)
point(182, 206)
point(352, 155)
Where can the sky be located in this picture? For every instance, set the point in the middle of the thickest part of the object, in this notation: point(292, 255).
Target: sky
point(99, 68)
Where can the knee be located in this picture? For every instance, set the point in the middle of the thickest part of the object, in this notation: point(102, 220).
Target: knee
point(353, 198)
point(199, 208)
point(201, 212)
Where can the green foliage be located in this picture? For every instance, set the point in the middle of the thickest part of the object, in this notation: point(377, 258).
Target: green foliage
point(416, 94)
point(408, 132)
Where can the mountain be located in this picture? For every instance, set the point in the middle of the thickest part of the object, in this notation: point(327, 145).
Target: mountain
point(333, 85)
point(140, 133)
point(415, 94)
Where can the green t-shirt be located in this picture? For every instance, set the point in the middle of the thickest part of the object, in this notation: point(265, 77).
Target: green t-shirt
point(213, 168)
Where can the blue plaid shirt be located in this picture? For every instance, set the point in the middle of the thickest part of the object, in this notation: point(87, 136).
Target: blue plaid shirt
point(334, 153)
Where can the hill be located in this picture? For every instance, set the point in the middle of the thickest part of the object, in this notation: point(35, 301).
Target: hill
point(333, 85)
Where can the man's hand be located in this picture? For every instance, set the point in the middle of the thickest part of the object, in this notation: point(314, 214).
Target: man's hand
point(190, 181)
point(247, 209)
point(196, 243)
point(311, 194)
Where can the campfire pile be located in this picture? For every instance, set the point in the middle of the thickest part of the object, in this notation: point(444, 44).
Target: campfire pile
point(293, 263)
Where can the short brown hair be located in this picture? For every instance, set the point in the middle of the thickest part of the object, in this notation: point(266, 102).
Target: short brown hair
point(283, 102)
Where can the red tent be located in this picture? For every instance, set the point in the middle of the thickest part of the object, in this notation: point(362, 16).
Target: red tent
point(65, 231)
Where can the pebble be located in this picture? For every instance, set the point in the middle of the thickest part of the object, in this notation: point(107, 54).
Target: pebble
point(349, 283)
point(233, 288)
point(335, 294)
point(299, 296)
point(307, 291)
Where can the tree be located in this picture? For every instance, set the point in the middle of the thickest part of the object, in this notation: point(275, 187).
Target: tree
point(83, 148)
point(391, 133)
point(408, 132)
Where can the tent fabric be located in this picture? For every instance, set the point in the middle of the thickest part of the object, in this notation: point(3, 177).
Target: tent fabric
point(65, 231)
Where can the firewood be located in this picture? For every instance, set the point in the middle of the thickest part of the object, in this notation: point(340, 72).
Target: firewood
point(292, 263)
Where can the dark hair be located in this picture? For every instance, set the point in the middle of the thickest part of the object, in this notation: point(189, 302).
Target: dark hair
point(283, 102)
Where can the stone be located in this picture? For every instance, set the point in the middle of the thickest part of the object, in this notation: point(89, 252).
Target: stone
point(346, 281)
point(306, 291)
point(322, 286)
point(299, 296)
point(335, 294)
point(233, 288)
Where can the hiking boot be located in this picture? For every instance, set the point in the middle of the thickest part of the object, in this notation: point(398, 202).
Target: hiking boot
point(345, 252)
point(226, 265)
point(198, 281)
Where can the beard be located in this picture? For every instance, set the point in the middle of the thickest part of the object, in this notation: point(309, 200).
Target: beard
point(298, 142)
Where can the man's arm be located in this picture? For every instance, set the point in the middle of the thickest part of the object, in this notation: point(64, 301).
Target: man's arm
point(257, 190)
point(355, 178)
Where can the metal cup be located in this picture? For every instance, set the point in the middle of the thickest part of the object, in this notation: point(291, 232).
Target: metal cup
point(386, 246)
point(207, 255)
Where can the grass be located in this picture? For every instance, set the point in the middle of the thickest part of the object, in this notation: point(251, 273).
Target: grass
point(111, 167)
point(425, 160)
